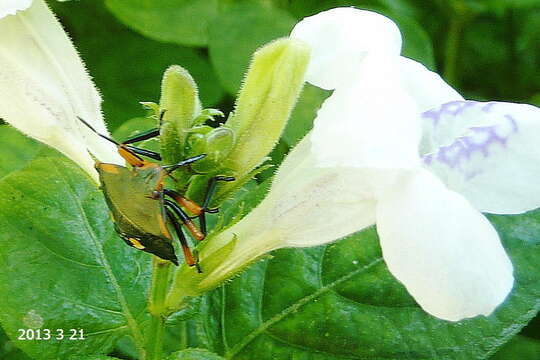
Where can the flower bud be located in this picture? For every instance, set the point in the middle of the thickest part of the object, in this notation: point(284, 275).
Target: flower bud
point(268, 95)
point(180, 104)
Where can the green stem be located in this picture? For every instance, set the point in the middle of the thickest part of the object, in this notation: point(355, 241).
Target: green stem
point(160, 282)
point(183, 336)
point(452, 48)
point(155, 338)
point(460, 15)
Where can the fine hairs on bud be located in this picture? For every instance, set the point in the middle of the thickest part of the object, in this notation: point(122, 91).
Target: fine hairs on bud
point(269, 92)
point(180, 103)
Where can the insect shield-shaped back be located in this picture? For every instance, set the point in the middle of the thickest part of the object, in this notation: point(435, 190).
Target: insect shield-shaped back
point(138, 217)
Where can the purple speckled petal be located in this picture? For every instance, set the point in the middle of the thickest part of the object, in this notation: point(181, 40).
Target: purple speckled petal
point(489, 152)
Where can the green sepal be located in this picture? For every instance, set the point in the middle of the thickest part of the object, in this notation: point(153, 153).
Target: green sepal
point(191, 309)
point(225, 190)
point(207, 114)
point(152, 106)
point(187, 280)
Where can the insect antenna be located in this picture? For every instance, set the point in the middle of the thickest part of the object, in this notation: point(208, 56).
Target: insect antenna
point(94, 130)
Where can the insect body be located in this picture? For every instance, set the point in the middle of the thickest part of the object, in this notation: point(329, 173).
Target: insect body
point(142, 208)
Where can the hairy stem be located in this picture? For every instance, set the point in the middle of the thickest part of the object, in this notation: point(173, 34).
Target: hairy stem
point(156, 303)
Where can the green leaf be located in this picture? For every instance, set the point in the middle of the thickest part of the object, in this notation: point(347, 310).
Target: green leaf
point(304, 113)
point(417, 44)
point(519, 348)
point(237, 33)
point(499, 7)
point(93, 357)
point(340, 302)
point(17, 150)
point(8, 349)
point(183, 22)
point(194, 354)
point(62, 266)
point(133, 127)
point(127, 67)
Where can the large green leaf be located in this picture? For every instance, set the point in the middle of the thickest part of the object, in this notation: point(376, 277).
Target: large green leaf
point(17, 150)
point(127, 67)
point(183, 22)
point(93, 357)
point(340, 302)
point(238, 32)
point(62, 266)
point(8, 350)
point(194, 354)
point(519, 348)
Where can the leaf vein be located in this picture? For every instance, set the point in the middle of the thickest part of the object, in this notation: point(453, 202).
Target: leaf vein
point(135, 330)
point(294, 307)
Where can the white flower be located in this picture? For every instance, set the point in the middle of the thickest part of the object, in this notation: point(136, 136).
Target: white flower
point(44, 85)
point(395, 146)
point(10, 7)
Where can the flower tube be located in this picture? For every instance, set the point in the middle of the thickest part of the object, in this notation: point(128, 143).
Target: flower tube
point(44, 85)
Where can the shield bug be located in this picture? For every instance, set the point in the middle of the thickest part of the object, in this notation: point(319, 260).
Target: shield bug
point(142, 207)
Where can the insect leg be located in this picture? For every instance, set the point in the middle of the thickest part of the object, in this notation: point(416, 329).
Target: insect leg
point(210, 191)
point(197, 234)
point(149, 134)
point(192, 206)
point(171, 168)
point(188, 256)
point(151, 154)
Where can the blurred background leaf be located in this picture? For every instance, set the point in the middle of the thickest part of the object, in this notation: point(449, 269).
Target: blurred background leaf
point(127, 67)
point(185, 22)
point(238, 32)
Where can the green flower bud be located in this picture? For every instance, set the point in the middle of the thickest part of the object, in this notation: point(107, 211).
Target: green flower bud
point(196, 141)
point(180, 104)
point(216, 143)
point(219, 143)
point(268, 95)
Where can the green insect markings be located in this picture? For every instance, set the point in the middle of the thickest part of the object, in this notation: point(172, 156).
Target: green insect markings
point(142, 208)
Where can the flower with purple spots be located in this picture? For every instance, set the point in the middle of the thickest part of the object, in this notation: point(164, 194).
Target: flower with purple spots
point(396, 146)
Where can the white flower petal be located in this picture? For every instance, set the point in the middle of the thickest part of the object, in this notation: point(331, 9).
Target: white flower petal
point(372, 122)
point(425, 86)
point(446, 253)
point(308, 205)
point(494, 157)
point(10, 7)
point(340, 39)
point(44, 86)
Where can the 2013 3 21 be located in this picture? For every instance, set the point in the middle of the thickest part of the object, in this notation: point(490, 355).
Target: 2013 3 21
point(51, 334)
